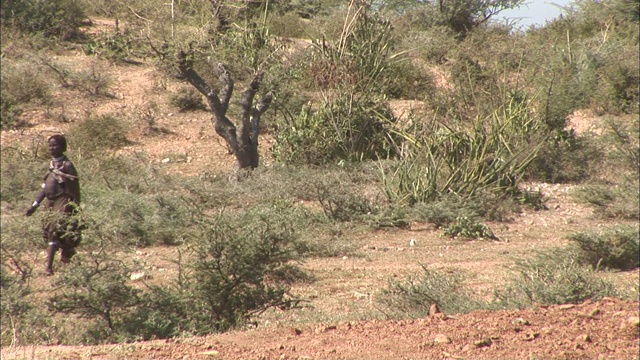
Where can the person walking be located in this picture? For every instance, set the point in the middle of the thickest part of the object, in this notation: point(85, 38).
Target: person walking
point(61, 188)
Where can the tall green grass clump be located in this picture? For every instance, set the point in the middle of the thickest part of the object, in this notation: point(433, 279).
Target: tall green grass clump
point(349, 127)
point(490, 155)
point(354, 73)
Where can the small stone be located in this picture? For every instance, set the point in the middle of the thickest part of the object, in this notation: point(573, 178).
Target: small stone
point(165, 161)
point(521, 321)
point(442, 339)
point(433, 309)
point(330, 327)
point(138, 276)
point(210, 353)
point(296, 332)
point(482, 343)
point(322, 329)
point(584, 338)
point(412, 242)
point(566, 306)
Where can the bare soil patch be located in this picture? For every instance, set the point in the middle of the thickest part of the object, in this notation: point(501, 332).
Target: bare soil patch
point(603, 330)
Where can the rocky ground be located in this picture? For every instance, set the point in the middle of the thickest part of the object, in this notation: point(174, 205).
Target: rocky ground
point(607, 329)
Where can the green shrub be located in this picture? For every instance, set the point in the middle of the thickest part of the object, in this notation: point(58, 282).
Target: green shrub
point(21, 175)
point(96, 289)
point(613, 191)
point(122, 218)
point(10, 113)
point(565, 157)
point(289, 25)
point(617, 248)
point(342, 205)
point(445, 210)
point(618, 70)
point(617, 201)
point(22, 83)
point(414, 296)
point(339, 198)
point(553, 277)
point(434, 43)
point(349, 127)
point(623, 133)
point(465, 228)
point(15, 305)
point(187, 99)
point(232, 275)
point(25, 81)
point(116, 47)
point(98, 133)
point(127, 204)
point(94, 81)
point(53, 18)
point(407, 80)
point(134, 174)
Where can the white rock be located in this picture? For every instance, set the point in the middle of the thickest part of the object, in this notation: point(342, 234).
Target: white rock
point(138, 276)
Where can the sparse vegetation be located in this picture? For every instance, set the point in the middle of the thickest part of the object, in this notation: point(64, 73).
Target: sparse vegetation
point(187, 99)
point(553, 277)
point(346, 166)
point(414, 296)
point(617, 248)
point(99, 133)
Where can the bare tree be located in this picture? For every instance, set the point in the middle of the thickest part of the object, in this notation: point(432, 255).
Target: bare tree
point(242, 142)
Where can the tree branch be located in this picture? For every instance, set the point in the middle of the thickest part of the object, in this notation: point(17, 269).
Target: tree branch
point(256, 113)
point(247, 108)
point(227, 85)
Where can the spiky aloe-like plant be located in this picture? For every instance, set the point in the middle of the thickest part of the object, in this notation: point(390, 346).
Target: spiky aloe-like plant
point(492, 154)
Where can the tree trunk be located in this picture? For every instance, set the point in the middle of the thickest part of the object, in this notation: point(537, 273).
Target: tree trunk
point(242, 141)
